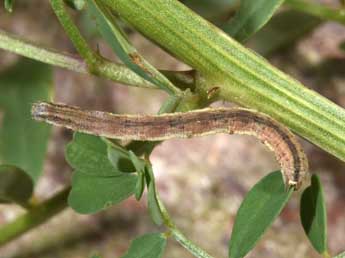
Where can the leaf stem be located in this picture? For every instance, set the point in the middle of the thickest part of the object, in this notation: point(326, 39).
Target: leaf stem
point(91, 58)
point(37, 215)
point(318, 10)
point(106, 69)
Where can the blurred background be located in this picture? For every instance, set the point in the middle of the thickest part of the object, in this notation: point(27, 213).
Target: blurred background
point(201, 180)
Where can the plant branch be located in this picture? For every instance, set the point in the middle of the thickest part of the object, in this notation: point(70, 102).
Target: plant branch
point(91, 58)
point(106, 69)
point(241, 75)
point(34, 217)
point(318, 10)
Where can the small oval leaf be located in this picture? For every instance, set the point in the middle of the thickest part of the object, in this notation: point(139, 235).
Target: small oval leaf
point(15, 185)
point(140, 186)
point(313, 215)
point(91, 194)
point(154, 210)
point(147, 246)
point(120, 159)
point(88, 154)
point(152, 200)
point(260, 207)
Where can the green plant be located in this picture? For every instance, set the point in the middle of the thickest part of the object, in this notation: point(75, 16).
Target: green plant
point(105, 173)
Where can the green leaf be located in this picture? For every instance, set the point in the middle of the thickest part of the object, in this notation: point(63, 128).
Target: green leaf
point(152, 200)
point(91, 194)
point(120, 158)
point(261, 206)
point(313, 215)
point(154, 209)
point(23, 141)
point(76, 4)
point(96, 184)
point(251, 16)
point(139, 164)
point(147, 246)
point(124, 50)
point(15, 185)
point(8, 5)
point(140, 186)
point(89, 155)
point(281, 31)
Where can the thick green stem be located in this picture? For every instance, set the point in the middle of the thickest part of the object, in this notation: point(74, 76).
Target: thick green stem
point(34, 217)
point(318, 10)
point(105, 69)
point(241, 75)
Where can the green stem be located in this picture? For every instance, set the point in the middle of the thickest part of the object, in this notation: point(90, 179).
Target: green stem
point(94, 61)
point(106, 69)
point(241, 75)
point(17, 45)
point(34, 217)
point(318, 10)
point(91, 58)
point(179, 236)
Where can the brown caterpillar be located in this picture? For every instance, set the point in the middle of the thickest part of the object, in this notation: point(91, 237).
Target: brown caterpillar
point(279, 139)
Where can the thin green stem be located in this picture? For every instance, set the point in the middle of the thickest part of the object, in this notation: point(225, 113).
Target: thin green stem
point(91, 58)
point(106, 69)
point(318, 10)
point(34, 217)
point(116, 38)
point(179, 236)
point(95, 62)
point(20, 46)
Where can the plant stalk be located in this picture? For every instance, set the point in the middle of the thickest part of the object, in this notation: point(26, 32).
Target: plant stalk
point(105, 69)
point(34, 217)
